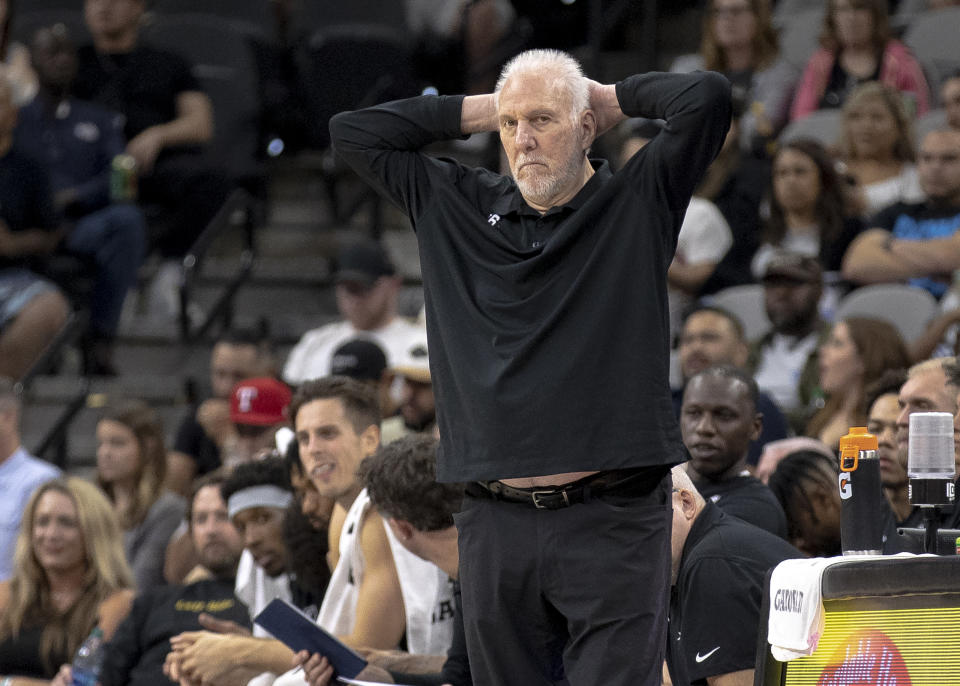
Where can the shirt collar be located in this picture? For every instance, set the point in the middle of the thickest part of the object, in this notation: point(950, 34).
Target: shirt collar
point(512, 202)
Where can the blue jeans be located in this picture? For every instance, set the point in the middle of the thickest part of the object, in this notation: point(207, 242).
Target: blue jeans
point(115, 237)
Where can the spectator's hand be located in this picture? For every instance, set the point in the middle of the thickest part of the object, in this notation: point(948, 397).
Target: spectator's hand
point(64, 677)
point(213, 416)
point(144, 148)
point(221, 626)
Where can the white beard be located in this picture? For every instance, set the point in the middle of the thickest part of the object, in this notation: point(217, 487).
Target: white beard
point(541, 188)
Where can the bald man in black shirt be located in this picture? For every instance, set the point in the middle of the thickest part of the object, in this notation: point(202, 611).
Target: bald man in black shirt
point(548, 330)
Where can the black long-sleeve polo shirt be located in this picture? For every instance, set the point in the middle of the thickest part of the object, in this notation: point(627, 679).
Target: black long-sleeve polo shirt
point(548, 334)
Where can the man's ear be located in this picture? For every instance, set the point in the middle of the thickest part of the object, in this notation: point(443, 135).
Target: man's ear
point(688, 504)
point(588, 129)
point(370, 440)
point(403, 530)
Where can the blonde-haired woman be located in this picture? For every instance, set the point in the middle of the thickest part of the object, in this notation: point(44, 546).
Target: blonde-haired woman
point(131, 466)
point(70, 575)
point(877, 148)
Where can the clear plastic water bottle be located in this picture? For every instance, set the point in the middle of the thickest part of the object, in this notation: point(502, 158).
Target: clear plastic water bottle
point(87, 661)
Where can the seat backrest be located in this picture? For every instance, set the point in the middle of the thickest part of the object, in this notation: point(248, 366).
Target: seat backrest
point(932, 36)
point(823, 126)
point(222, 60)
point(800, 34)
point(746, 302)
point(350, 66)
point(908, 308)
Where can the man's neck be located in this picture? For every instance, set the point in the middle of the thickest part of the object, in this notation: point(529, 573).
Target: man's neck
point(731, 472)
point(899, 501)
point(799, 330)
point(346, 500)
point(441, 550)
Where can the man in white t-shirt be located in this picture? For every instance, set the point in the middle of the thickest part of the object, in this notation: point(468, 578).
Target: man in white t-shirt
point(366, 286)
point(784, 361)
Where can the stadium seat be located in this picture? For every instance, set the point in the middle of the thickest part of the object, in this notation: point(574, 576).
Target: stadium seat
point(908, 308)
point(746, 302)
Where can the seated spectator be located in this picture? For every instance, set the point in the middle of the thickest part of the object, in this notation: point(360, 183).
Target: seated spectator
point(456, 41)
point(719, 566)
point(950, 97)
point(712, 336)
point(32, 310)
point(805, 483)
point(703, 240)
point(258, 410)
point(856, 46)
point(136, 654)
point(740, 42)
point(131, 462)
point(857, 351)
point(236, 355)
point(15, 64)
point(70, 575)
point(785, 360)
point(418, 413)
point(718, 420)
point(20, 475)
point(367, 288)
point(401, 480)
point(877, 148)
point(167, 120)
point(77, 142)
point(809, 208)
point(916, 242)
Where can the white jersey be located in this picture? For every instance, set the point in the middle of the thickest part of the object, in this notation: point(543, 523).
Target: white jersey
point(427, 600)
point(256, 589)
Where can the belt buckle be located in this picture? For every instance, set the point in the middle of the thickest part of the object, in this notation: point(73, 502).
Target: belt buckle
point(536, 495)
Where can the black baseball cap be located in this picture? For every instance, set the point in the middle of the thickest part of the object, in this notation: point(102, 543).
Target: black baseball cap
point(363, 261)
point(359, 359)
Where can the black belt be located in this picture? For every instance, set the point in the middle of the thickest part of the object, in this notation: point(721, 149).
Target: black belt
point(638, 481)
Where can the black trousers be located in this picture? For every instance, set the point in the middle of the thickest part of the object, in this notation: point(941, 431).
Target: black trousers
point(580, 593)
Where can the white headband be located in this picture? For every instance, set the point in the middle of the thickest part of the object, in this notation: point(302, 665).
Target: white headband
point(258, 496)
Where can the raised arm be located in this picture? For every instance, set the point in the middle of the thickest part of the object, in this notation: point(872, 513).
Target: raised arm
point(696, 108)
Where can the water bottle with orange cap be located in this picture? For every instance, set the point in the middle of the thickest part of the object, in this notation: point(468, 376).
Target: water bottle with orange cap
point(861, 494)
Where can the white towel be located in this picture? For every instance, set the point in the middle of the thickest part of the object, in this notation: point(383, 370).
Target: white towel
point(796, 607)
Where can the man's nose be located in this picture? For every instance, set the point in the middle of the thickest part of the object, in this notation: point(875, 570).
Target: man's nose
point(525, 138)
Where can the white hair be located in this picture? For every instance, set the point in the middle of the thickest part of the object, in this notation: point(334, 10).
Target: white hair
point(563, 71)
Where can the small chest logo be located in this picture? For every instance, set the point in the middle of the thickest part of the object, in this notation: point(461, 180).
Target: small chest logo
point(493, 219)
